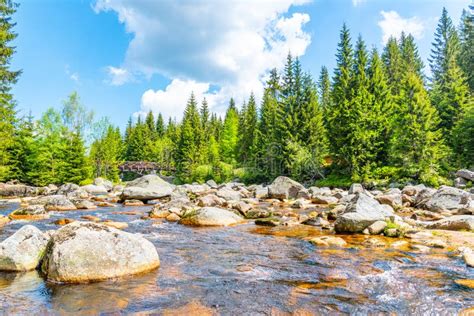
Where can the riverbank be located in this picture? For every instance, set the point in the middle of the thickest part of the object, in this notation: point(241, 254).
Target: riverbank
point(295, 244)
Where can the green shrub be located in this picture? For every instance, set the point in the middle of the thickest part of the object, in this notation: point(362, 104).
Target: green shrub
point(86, 182)
point(202, 173)
point(335, 181)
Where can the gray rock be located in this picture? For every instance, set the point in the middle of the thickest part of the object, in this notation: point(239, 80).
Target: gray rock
point(148, 187)
point(465, 174)
point(23, 250)
point(423, 196)
point(84, 205)
point(54, 203)
point(362, 212)
point(377, 227)
point(229, 194)
point(455, 222)
point(448, 199)
point(67, 188)
point(212, 184)
point(210, 200)
point(30, 212)
point(107, 184)
point(261, 192)
point(392, 198)
point(196, 188)
point(356, 188)
point(17, 190)
point(284, 188)
point(320, 191)
point(324, 199)
point(413, 190)
point(460, 182)
point(303, 194)
point(95, 189)
point(242, 207)
point(211, 216)
point(85, 252)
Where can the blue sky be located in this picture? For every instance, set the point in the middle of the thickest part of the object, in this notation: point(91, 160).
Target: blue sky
point(125, 57)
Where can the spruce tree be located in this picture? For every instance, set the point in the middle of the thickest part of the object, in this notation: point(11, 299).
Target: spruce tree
point(466, 54)
point(22, 150)
point(8, 77)
point(339, 115)
point(248, 135)
point(160, 126)
point(324, 87)
point(392, 59)
point(450, 93)
point(411, 60)
point(229, 137)
point(417, 147)
point(463, 140)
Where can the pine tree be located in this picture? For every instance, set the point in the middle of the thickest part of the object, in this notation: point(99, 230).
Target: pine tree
point(248, 135)
point(450, 93)
point(229, 136)
point(8, 77)
point(324, 87)
point(75, 166)
point(339, 115)
point(106, 153)
point(466, 54)
point(463, 140)
point(151, 126)
point(417, 147)
point(411, 60)
point(22, 150)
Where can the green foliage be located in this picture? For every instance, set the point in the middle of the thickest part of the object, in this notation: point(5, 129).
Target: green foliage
point(335, 181)
point(229, 138)
point(463, 139)
point(466, 51)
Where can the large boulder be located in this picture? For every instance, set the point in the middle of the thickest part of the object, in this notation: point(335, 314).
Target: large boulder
point(284, 188)
point(465, 174)
point(456, 222)
point(448, 199)
point(211, 216)
point(360, 213)
point(146, 188)
point(67, 188)
point(95, 189)
point(107, 184)
point(393, 197)
point(54, 203)
point(229, 194)
point(86, 252)
point(17, 190)
point(23, 250)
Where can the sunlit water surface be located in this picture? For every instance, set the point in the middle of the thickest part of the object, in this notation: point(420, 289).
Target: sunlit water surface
point(247, 270)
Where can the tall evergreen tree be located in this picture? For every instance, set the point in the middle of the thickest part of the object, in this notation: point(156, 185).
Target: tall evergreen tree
point(450, 93)
point(392, 59)
point(160, 126)
point(339, 115)
point(411, 60)
point(466, 54)
point(8, 77)
point(324, 87)
point(229, 137)
point(248, 135)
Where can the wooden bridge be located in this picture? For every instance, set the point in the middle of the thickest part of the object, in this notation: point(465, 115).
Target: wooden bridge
point(144, 167)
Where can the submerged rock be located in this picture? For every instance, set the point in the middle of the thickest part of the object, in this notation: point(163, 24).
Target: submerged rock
point(30, 212)
point(148, 187)
point(327, 241)
point(23, 250)
point(85, 252)
point(211, 216)
point(360, 213)
point(270, 221)
point(284, 188)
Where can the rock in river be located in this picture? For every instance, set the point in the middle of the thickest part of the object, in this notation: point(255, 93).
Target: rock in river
point(148, 187)
point(86, 252)
point(211, 216)
point(448, 199)
point(284, 188)
point(23, 250)
point(30, 212)
point(54, 203)
point(456, 222)
point(360, 213)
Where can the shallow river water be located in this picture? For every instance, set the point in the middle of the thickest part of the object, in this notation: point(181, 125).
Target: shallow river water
point(247, 270)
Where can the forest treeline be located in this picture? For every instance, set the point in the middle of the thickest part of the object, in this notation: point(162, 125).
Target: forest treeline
point(377, 117)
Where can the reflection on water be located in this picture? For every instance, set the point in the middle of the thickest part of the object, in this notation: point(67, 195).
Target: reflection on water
point(248, 270)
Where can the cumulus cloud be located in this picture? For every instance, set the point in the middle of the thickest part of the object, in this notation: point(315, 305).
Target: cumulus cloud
point(225, 44)
point(392, 24)
point(74, 76)
point(118, 76)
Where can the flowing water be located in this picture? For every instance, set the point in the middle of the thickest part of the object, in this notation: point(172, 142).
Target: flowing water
point(247, 270)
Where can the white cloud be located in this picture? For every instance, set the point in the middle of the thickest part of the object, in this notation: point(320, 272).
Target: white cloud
point(74, 76)
point(392, 24)
point(225, 44)
point(118, 76)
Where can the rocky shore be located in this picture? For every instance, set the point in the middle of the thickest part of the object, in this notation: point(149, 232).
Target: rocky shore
point(419, 218)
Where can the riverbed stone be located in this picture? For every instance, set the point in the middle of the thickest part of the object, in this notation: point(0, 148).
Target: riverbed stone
point(133, 203)
point(447, 198)
point(23, 250)
point(455, 222)
point(210, 200)
point(377, 227)
point(229, 194)
point(211, 216)
point(107, 184)
point(324, 199)
point(270, 221)
point(362, 212)
point(148, 187)
point(86, 252)
point(392, 198)
point(29, 212)
point(284, 188)
point(261, 192)
point(17, 190)
point(84, 204)
point(465, 174)
point(94, 189)
point(356, 188)
point(328, 241)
